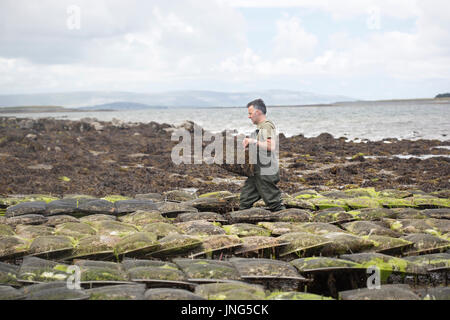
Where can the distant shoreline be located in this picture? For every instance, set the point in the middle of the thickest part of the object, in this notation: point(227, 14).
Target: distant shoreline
point(46, 109)
point(61, 109)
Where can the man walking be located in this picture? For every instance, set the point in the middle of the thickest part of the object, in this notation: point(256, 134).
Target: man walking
point(263, 183)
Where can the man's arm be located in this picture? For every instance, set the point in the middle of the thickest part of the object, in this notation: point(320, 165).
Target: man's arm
point(267, 142)
point(268, 145)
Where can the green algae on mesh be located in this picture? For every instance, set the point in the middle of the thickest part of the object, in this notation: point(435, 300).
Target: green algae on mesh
point(314, 263)
point(40, 270)
point(161, 229)
point(100, 274)
point(424, 242)
point(408, 213)
point(230, 291)
point(279, 228)
point(200, 228)
point(31, 231)
point(13, 245)
point(306, 194)
point(208, 269)
point(364, 228)
point(218, 242)
point(341, 243)
point(205, 215)
point(330, 217)
point(93, 218)
point(128, 264)
point(177, 244)
point(430, 202)
point(300, 204)
point(386, 264)
point(165, 273)
point(255, 243)
point(13, 200)
point(265, 268)
point(53, 221)
point(245, 230)
point(8, 274)
point(118, 292)
point(394, 193)
point(362, 202)
point(216, 194)
point(94, 245)
point(114, 198)
point(114, 228)
point(6, 230)
point(296, 296)
point(252, 215)
point(382, 243)
point(362, 192)
point(300, 241)
point(76, 230)
point(430, 225)
point(100, 271)
point(386, 292)
point(321, 228)
point(294, 215)
point(144, 242)
point(325, 203)
point(45, 244)
point(142, 218)
point(396, 203)
point(431, 261)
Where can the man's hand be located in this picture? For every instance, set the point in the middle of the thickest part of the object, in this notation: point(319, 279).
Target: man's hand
point(248, 141)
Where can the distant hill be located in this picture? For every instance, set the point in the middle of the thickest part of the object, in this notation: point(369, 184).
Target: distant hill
point(122, 106)
point(170, 99)
point(443, 95)
point(33, 109)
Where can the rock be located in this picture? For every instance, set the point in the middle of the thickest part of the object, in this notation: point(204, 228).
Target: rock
point(31, 136)
point(41, 167)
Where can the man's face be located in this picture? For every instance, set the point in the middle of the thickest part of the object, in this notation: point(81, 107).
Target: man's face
point(253, 114)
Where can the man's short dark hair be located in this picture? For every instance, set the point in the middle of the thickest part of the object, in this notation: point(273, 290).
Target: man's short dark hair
point(258, 104)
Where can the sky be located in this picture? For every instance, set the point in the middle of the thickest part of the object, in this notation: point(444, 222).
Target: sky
point(364, 49)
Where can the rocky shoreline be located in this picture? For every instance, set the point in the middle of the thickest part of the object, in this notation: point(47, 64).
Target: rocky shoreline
point(98, 158)
point(104, 198)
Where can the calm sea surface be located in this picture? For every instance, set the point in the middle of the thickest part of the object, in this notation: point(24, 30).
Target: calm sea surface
point(364, 120)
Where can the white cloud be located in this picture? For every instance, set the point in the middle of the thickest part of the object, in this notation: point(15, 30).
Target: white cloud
point(133, 45)
point(292, 41)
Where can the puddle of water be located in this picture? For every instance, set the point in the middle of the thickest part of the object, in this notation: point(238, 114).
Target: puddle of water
point(422, 157)
point(406, 156)
point(441, 147)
